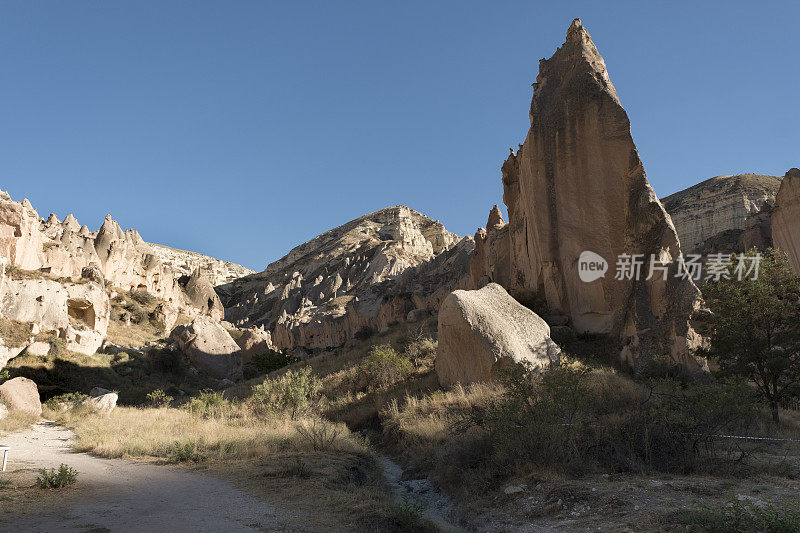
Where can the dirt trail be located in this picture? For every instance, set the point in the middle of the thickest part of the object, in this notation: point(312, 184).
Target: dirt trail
point(119, 495)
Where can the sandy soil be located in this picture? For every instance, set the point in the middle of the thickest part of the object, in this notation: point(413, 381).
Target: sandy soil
point(119, 495)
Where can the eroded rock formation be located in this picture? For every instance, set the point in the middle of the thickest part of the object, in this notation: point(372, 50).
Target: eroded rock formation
point(577, 184)
point(714, 216)
point(184, 263)
point(355, 278)
point(786, 218)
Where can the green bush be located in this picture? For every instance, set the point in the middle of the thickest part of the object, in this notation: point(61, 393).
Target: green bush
point(71, 401)
point(209, 403)
point(182, 453)
point(385, 366)
point(293, 393)
point(272, 360)
point(55, 479)
point(4, 376)
point(159, 398)
point(743, 516)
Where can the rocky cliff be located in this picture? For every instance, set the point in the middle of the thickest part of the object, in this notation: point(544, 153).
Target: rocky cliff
point(577, 184)
point(786, 218)
point(712, 216)
point(184, 263)
point(353, 279)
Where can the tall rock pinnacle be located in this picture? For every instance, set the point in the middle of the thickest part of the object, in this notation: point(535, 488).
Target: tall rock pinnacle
point(577, 184)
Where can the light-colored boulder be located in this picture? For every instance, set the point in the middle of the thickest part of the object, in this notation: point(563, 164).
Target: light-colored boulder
point(38, 349)
point(254, 341)
point(105, 402)
point(209, 347)
point(482, 331)
point(21, 394)
point(786, 218)
point(577, 185)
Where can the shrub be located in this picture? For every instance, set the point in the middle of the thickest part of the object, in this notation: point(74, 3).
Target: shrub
point(71, 401)
point(208, 404)
point(235, 334)
point(409, 515)
point(385, 366)
point(142, 297)
point(293, 393)
point(159, 398)
point(320, 434)
point(742, 516)
point(576, 418)
point(181, 453)
point(298, 468)
point(4, 376)
point(55, 479)
point(272, 360)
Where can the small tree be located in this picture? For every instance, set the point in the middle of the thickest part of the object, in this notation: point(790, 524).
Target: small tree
point(755, 327)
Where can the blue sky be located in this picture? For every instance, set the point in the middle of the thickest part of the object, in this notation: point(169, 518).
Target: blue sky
point(241, 129)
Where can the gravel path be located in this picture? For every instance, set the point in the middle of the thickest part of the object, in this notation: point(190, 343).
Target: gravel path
point(119, 495)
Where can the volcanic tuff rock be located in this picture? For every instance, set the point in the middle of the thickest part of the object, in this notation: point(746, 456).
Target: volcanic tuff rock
point(121, 258)
point(486, 330)
point(578, 184)
point(712, 216)
point(184, 263)
point(786, 218)
point(355, 278)
point(209, 346)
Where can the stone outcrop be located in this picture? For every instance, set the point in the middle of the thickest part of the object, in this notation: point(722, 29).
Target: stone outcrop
point(483, 331)
point(713, 216)
point(183, 263)
point(786, 218)
point(164, 316)
point(108, 256)
point(577, 184)
point(78, 313)
point(354, 279)
point(21, 394)
point(208, 346)
point(254, 341)
point(200, 294)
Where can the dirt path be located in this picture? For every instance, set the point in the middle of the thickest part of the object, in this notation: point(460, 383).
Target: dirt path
point(119, 495)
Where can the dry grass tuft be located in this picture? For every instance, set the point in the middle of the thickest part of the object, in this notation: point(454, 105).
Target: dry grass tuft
point(16, 421)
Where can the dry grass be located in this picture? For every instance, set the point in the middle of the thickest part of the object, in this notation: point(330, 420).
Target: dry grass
point(16, 421)
point(154, 432)
point(14, 333)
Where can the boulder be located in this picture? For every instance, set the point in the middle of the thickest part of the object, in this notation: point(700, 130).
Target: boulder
point(416, 315)
point(254, 341)
point(786, 218)
point(38, 349)
point(93, 273)
point(105, 402)
point(482, 331)
point(209, 347)
point(98, 391)
point(21, 394)
point(164, 316)
point(577, 185)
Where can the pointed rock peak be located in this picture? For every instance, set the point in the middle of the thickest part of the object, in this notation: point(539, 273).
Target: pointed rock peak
point(793, 173)
point(495, 218)
point(577, 33)
point(71, 223)
point(26, 204)
point(84, 232)
point(53, 219)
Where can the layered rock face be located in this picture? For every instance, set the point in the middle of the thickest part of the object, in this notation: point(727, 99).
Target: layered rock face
point(578, 184)
point(355, 278)
point(184, 263)
point(486, 330)
point(786, 218)
point(712, 216)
